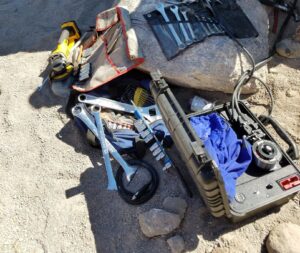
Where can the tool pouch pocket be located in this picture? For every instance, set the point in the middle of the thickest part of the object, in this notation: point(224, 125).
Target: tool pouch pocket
point(113, 49)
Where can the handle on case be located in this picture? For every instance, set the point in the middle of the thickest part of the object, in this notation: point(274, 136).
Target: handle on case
point(293, 150)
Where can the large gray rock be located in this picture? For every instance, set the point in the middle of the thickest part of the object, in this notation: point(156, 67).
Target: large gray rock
point(176, 244)
point(284, 238)
point(158, 222)
point(175, 205)
point(214, 64)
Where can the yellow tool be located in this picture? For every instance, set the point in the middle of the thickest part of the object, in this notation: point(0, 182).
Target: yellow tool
point(141, 97)
point(61, 65)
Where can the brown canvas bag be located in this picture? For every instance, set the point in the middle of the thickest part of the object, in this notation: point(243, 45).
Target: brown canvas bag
point(113, 48)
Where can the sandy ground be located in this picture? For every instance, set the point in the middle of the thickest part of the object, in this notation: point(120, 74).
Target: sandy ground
point(43, 156)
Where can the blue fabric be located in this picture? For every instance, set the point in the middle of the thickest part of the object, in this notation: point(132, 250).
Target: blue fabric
point(231, 154)
point(122, 139)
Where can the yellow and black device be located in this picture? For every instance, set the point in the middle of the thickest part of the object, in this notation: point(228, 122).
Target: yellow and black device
point(61, 66)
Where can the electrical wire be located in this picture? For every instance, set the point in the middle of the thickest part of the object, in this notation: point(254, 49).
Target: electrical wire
point(269, 92)
point(244, 79)
point(248, 74)
point(143, 194)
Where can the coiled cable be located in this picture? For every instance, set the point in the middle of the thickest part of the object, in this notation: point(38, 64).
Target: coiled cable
point(144, 193)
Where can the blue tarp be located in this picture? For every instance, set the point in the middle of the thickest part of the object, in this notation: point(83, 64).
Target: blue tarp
point(231, 154)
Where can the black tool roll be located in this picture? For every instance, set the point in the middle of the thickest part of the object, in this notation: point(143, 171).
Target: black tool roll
point(198, 21)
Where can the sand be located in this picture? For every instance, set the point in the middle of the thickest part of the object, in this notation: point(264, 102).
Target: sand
point(43, 156)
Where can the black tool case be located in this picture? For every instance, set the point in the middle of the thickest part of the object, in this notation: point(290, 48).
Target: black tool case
point(256, 190)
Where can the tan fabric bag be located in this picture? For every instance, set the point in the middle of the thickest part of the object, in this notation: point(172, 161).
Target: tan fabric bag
point(113, 48)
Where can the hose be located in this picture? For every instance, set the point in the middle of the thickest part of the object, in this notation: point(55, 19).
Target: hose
point(248, 74)
point(143, 194)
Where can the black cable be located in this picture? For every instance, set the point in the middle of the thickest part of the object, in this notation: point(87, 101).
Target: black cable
point(244, 79)
point(269, 92)
point(249, 55)
point(146, 192)
point(248, 75)
point(263, 62)
point(236, 93)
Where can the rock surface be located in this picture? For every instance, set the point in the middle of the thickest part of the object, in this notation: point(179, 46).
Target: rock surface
point(158, 222)
point(284, 238)
point(214, 64)
point(176, 244)
point(175, 205)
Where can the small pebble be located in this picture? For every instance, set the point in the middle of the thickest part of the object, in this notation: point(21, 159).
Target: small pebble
point(158, 222)
point(291, 93)
point(175, 205)
point(176, 244)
